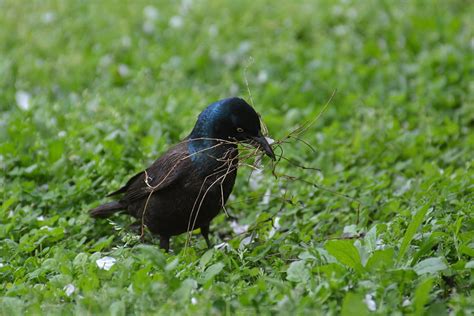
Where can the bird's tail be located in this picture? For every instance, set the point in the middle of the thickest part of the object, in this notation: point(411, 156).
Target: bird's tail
point(106, 210)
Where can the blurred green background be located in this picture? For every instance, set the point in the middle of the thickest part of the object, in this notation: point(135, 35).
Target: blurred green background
point(94, 91)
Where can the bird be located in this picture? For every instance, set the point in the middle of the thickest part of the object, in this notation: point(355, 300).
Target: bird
point(187, 186)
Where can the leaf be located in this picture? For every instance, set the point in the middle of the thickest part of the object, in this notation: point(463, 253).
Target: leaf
point(11, 306)
point(457, 226)
point(56, 150)
point(469, 265)
point(102, 243)
point(8, 203)
point(380, 259)
point(466, 250)
point(371, 239)
point(212, 271)
point(412, 228)
point(422, 295)
point(430, 265)
point(353, 304)
point(346, 253)
point(426, 246)
point(172, 265)
point(183, 293)
point(80, 260)
point(297, 272)
point(206, 257)
point(117, 308)
point(150, 253)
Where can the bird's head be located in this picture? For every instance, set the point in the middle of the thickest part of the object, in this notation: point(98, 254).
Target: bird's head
point(232, 119)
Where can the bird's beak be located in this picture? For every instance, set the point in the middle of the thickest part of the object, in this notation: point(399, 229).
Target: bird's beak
point(261, 142)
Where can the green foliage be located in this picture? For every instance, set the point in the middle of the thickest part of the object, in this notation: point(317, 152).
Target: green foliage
point(353, 304)
point(346, 253)
point(411, 230)
point(93, 91)
point(422, 293)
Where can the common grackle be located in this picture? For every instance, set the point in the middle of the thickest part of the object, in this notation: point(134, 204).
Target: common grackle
point(187, 186)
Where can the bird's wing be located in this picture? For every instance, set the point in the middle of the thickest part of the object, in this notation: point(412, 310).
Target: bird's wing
point(166, 170)
point(127, 185)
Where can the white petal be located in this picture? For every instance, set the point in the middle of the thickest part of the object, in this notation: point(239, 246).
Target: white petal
point(176, 21)
point(244, 47)
point(369, 301)
point(255, 179)
point(213, 31)
point(245, 241)
point(69, 289)
point(276, 226)
point(23, 100)
point(223, 245)
point(266, 197)
point(150, 12)
point(48, 17)
point(123, 70)
point(262, 76)
point(237, 228)
point(126, 41)
point(148, 27)
point(105, 263)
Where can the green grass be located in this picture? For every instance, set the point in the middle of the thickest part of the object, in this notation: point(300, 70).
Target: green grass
point(110, 85)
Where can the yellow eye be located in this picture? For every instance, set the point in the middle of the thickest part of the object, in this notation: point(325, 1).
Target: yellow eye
point(240, 130)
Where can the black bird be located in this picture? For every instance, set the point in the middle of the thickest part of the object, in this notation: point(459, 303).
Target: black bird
point(187, 186)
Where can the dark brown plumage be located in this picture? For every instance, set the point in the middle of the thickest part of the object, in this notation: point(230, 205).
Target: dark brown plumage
point(187, 186)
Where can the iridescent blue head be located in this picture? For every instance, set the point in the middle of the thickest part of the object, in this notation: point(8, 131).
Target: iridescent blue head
point(230, 119)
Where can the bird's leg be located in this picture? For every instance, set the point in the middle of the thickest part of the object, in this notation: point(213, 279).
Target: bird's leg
point(165, 243)
point(205, 234)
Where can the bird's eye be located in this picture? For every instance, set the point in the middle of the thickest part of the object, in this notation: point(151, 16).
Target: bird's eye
point(240, 129)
